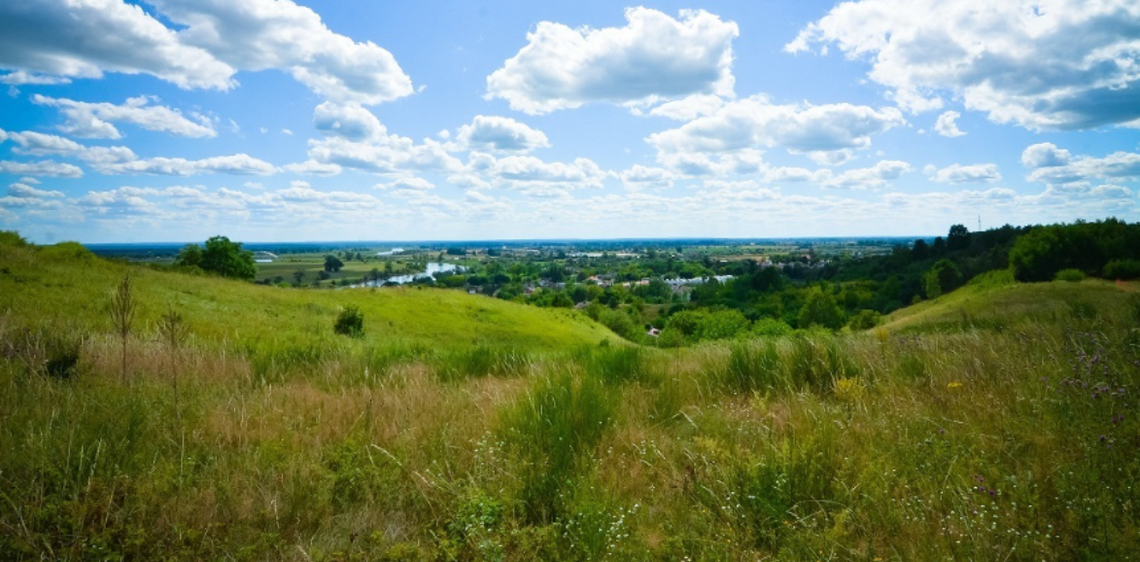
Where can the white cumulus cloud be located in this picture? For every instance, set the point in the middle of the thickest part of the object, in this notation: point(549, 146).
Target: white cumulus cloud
point(266, 34)
point(350, 121)
point(1044, 155)
point(947, 125)
point(867, 178)
point(755, 122)
point(642, 177)
point(42, 168)
point(1054, 64)
point(94, 120)
point(1055, 166)
point(236, 164)
point(500, 134)
point(957, 173)
point(49, 41)
point(654, 57)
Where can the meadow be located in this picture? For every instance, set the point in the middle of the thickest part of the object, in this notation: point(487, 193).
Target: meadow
point(996, 422)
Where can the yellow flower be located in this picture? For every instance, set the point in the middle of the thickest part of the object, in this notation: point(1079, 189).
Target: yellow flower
point(954, 385)
point(848, 389)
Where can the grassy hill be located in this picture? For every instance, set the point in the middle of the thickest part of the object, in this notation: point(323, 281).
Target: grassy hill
point(997, 422)
point(996, 302)
point(66, 285)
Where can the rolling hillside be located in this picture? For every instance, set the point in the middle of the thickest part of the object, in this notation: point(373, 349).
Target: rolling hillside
point(68, 288)
point(1000, 304)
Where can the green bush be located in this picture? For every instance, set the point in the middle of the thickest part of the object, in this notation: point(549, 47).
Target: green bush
point(1070, 275)
point(350, 322)
point(865, 320)
point(1122, 269)
point(770, 327)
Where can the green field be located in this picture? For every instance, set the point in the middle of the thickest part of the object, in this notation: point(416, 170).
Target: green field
point(284, 268)
point(996, 422)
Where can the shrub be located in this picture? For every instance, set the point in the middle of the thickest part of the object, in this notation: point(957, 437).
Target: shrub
point(1070, 275)
point(771, 327)
point(1122, 269)
point(350, 322)
point(865, 320)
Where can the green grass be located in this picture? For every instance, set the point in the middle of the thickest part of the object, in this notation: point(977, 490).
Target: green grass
point(74, 286)
point(996, 422)
point(998, 306)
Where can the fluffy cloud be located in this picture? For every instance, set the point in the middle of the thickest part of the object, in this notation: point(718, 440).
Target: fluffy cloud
point(867, 178)
point(314, 168)
point(41, 168)
point(947, 126)
point(689, 108)
point(24, 197)
point(1056, 166)
point(350, 121)
point(300, 192)
point(500, 134)
point(1044, 155)
point(957, 173)
point(653, 58)
point(528, 174)
point(94, 120)
point(1062, 64)
point(412, 182)
point(24, 191)
point(84, 38)
point(642, 177)
point(389, 154)
point(265, 34)
point(755, 122)
point(32, 143)
point(54, 39)
point(528, 171)
point(21, 78)
point(237, 164)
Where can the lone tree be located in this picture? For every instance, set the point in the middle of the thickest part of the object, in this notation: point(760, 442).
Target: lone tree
point(220, 256)
point(333, 263)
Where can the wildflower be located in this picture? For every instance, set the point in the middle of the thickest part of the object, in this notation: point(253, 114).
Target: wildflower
point(953, 385)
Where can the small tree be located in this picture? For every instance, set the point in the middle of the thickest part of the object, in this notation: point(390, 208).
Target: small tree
point(189, 256)
point(333, 263)
point(299, 276)
point(350, 322)
point(123, 308)
point(942, 278)
point(173, 331)
point(820, 309)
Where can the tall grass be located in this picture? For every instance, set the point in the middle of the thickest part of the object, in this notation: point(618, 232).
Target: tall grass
point(940, 437)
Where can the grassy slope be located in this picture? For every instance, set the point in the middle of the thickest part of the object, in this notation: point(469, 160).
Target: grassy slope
point(65, 285)
point(1012, 305)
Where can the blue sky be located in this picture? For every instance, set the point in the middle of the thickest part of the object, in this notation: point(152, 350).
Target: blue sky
point(272, 120)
